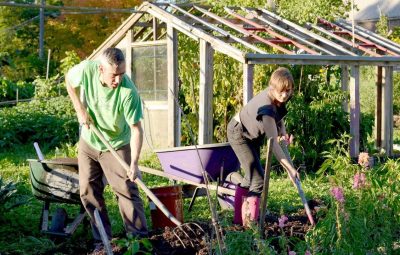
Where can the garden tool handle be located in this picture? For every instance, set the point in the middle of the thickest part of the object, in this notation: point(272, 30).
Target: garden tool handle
point(139, 182)
point(304, 201)
point(283, 145)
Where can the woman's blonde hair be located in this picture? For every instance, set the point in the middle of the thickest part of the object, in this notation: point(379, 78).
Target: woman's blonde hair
point(281, 79)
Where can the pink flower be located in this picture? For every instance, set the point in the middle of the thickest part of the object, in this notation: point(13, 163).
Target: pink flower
point(282, 221)
point(292, 253)
point(337, 193)
point(307, 252)
point(363, 159)
point(359, 180)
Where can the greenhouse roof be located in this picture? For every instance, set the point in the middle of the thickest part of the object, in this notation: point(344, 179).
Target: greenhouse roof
point(258, 36)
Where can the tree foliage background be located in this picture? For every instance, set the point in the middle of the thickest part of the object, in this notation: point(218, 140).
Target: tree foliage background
point(64, 31)
point(74, 36)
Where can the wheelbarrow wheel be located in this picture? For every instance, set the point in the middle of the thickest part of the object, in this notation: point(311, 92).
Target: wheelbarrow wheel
point(59, 220)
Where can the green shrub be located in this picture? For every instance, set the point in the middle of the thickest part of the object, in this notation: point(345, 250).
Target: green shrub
point(8, 89)
point(49, 122)
point(315, 114)
point(9, 198)
point(47, 88)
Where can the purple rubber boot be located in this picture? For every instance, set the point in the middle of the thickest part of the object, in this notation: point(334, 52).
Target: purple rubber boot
point(250, 210)
point(240, 194)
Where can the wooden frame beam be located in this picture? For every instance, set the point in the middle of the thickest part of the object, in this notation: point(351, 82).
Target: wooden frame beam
point(174, 128)
point(344, 80)
point(305, 59)
point(387, 110)
point(195, 33)
point(378, 108)
point(206, 93)
point(248, 80)
point(119, 32)
point(128, 52)
point(355, 111)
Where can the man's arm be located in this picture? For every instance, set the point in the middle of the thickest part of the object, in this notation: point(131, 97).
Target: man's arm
point(83, 116)
point(136, 146)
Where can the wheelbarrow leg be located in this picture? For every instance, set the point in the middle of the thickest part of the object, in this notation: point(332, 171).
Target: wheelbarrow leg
point(44, 221)
point(78, 219)
point(193, 198)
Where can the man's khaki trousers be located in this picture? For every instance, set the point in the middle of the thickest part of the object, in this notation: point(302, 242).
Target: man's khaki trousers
point(92, 165)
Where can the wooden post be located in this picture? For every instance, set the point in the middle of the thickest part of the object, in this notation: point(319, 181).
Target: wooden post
point(248, 75)
point(378, 109)
point(387, 110)
point(155, 36)
point(128, 52)
point(41, 29)
point(355, 111)
point(206, 93)
point(174, 130)
point(155, 29)
point(345, 85)
point(48, 64)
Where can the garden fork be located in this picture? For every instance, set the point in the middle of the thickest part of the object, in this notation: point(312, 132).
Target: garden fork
point(151, 195)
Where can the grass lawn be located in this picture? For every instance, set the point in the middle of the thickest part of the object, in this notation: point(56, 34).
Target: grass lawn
point(14, 167)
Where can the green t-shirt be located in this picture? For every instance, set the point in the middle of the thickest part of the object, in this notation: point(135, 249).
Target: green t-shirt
point(112, 110)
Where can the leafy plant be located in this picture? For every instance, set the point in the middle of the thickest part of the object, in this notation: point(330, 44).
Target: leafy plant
point(71, 59)
point(47, 88)
point(362, 215)
point(9, 198)
point(49, 122)
point(135, 245)
point(8, 89)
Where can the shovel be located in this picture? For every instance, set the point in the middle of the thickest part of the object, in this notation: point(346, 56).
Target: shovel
point(283, 145)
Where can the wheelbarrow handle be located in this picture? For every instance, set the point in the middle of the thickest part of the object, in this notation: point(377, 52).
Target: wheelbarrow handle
point(139, 182)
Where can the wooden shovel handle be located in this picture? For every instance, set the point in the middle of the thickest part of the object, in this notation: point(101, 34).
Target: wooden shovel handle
point(139, 182)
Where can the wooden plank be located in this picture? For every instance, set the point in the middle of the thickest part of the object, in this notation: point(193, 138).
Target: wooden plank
point(174, 129)
point(218, 29)
point(221, 190)
point(378, 109)
point(344, 79)
point(288, 32)
point(248, 79)
point(206, 93)
point(196, 34)
point(387, 108)
point(155, 29)
point(355, 111)
point(139, 33)
point(128, 52)
point(299, 29)
point(209, 20)
point(307, 59)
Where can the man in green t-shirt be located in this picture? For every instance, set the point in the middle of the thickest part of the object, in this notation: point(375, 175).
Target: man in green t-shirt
point(113, 105)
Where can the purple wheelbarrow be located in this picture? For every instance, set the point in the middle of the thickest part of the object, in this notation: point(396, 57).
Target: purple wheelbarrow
point(219, 161)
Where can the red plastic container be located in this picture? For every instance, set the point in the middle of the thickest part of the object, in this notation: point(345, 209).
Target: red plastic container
point(171, 197)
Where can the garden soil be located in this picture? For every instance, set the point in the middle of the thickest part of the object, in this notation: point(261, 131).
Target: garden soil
point(165, 241)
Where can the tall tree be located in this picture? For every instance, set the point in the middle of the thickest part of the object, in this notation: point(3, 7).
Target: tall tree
point(64, 31)
point(85, 32)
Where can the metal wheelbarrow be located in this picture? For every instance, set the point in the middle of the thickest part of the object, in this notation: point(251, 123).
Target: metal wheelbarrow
point(56, 181)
